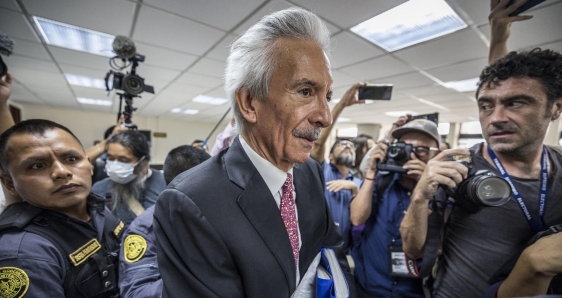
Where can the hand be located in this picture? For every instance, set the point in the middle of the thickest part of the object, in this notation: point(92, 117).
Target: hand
point(500, 21)
point(117, 128)
point(545, 256)
point(415, 167)
point(378, 155)
point(5, 88)
point(337, 185)
point(350, 97)
point(440, 172)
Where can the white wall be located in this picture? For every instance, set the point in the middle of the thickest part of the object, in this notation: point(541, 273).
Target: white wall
point(90, 126)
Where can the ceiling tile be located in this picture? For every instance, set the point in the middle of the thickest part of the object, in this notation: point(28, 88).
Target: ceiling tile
point(269, 8)
point(428, 90)
point(348, 49)
point(212, 12)
point(82, 71)
point(15, 62)
point(190, 78)
point(30, 49)
point(15, 25)
point(10, 4)
point(80, 59)
point(91, 93)
point(181, 34)
point(348, 13)
point(222, 50)
point(218, 92)
point(161, 57)
point(410, 80)
point(209, 67)
point(343, 79)
point(460, 71)
point(21, 93)
point(459, 46)
point(151, 73)
point(108, 16)
point(377, 68)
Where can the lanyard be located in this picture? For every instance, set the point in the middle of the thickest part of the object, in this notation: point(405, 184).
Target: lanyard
point(535, 226)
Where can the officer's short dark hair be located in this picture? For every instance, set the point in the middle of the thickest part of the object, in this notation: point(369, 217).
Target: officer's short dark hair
point(31, 126)
point(181, 159)
point(133, 140)
point(542, 65)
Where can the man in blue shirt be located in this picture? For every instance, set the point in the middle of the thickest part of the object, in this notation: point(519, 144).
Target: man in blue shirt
point(341, 186)
point(380, 267)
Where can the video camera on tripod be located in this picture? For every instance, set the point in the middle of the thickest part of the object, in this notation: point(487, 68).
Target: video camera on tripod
point(130, 83)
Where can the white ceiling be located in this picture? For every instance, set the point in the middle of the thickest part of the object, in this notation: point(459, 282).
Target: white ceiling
point(186, 44)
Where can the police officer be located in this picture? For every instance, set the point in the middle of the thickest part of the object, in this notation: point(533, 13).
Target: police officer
point(60, 241)
point(139, 276)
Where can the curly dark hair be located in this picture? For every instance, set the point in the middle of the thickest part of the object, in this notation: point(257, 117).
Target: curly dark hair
point(544, 66)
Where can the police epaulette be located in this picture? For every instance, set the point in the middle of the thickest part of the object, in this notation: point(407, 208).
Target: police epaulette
point(17, 216)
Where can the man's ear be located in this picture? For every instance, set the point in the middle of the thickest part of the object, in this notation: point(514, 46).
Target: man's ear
point(246, 104)
point(9, 184)
point(556, 109)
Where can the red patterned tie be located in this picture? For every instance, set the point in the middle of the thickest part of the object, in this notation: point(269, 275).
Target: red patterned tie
point(289, 216)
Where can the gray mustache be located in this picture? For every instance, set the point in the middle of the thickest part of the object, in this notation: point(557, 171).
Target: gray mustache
point(312, 133)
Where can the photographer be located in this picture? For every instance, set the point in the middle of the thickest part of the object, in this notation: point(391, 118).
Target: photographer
point(380, 205)
point(518, 96)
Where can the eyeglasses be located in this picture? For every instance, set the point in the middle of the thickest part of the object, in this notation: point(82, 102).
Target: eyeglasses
point(346, 143)
point(421, 151)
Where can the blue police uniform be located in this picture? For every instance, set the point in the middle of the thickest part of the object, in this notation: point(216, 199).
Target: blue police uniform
point(339, 202)
point(154, 185)
point(138, 270)
point(381, 235)
point(36, 260)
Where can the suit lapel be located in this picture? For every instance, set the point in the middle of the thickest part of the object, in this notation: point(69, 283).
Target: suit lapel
point(258, 205)
point(303, 202)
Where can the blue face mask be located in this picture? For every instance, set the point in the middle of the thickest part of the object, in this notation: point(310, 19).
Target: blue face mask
point(120, 172)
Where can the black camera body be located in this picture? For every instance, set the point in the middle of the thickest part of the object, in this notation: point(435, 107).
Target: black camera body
point(396, 156)
point(481, 188)
point(132, 84)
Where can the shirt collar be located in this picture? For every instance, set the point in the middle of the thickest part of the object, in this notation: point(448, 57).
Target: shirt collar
point(274, 177)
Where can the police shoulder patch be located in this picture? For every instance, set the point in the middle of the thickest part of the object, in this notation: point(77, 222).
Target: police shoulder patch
point(134, 248)
point(14, 282)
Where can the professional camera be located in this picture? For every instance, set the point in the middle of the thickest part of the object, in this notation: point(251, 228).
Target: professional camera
point(396, 156)
point(130, 83)
point(481, 188)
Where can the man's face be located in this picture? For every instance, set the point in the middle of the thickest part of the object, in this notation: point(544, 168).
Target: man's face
point(343, 154)
point(290, 119)
point(514, 114)
point(419, 139)
point(50, 171)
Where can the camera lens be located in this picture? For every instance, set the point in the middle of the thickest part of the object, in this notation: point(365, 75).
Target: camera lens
point(491, 190)
point(133, 84)
point(394, 152)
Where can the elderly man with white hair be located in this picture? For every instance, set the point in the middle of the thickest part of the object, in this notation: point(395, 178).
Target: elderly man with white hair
point(250, 221)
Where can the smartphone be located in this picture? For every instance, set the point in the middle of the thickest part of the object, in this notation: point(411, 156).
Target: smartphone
point(376, 92)
point(528, 5)
point(431, 117)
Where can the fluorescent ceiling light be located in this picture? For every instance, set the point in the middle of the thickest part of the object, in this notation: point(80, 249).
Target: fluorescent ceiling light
point(469, 85)
point(443, 128)
point(82, 81)
point(342, 119)
point(410, 23)
point(190, 111)
point(400, 113)
point(210, 100)
point(75, 38)
point(472, 127)
point(91, 101)
point(176, 110)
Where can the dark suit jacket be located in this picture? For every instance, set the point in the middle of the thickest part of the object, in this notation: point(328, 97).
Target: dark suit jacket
point(220, 234)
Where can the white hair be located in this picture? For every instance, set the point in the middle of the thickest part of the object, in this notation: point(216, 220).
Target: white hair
point(250, 65)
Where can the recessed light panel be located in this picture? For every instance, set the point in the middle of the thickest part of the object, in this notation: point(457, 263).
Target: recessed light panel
point(210, 100)
point(410, 23)
point(82, 81)
point(75, 38)
point(91, 101)
point(469, 85)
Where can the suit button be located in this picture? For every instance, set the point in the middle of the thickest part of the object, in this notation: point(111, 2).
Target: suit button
point(104, 273)
point(107, 284)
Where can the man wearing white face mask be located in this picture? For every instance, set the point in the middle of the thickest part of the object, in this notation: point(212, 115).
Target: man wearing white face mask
point(132, 186)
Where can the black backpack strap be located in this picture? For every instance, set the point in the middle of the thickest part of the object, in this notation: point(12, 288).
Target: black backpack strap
point(383, 183)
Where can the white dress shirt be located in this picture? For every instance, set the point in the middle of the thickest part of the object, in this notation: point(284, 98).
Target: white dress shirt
point(274, 179)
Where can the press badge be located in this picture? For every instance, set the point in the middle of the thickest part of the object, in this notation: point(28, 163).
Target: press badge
point(397, 261)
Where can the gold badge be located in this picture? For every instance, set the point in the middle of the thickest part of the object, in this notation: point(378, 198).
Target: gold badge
point(13, 282)
point(83, 253)
point(134, 248)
